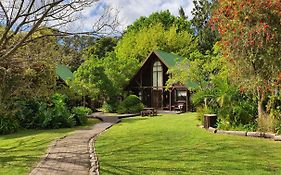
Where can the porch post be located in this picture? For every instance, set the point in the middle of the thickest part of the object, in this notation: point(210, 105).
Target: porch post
point(170, 99)
point(187, 101)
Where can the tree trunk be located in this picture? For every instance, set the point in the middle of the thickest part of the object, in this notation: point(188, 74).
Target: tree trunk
point(260, 101)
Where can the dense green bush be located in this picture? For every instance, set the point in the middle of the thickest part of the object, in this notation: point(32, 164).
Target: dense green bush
point(239, 111)
point(36, 113)
point(8, 124)
point(27, 113)
point(80, 114)
point(234, 108)
point(131, 104)
point(109, 106)
point(58, 115)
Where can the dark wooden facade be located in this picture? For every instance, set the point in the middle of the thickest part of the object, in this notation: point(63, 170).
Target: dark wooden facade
point(149, 83)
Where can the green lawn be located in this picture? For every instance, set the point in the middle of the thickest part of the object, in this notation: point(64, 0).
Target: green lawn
point(20, 151)
point(172, 144)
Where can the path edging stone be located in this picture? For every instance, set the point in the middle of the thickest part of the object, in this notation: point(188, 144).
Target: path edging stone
point(73, 154)
point(94, 163)
point(264, 135)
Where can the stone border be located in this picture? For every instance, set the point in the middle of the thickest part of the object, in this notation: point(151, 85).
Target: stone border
point(275, 137)
point(94, 163)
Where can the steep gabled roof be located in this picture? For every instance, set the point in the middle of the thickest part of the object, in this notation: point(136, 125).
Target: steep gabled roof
point(169, 59)
point(64, 72)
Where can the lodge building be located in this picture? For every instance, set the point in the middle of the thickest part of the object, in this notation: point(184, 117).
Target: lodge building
point(149, 83)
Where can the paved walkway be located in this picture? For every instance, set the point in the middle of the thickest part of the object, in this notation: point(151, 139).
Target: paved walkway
point(71, 155)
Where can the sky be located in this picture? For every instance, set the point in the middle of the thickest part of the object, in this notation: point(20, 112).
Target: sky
point(130, 10)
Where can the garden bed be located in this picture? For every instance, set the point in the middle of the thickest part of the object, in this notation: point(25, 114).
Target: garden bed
point(247, 134)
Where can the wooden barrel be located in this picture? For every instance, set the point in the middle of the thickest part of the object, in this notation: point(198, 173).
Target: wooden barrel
point(210, 120)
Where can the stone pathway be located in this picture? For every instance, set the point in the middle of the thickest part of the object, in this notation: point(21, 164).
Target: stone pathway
point(70, 155)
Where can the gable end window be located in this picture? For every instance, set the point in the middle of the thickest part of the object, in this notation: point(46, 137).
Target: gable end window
point(157, 75)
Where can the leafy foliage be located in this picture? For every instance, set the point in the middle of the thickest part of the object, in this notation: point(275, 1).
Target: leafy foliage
point(213, 92)
point(72, 47)
point(119, 70)
point(251, 36)
point(8, 123)
point(131, 104)
point(182, 13)
point(59, 115)
point(100, 48)
point(139, 45)
point(80, 114)
point(39, 114)
point(164, 17)
point(27, 114)
point(91, 80)
point(109, 107)
point(202, 13)
point(33, 68)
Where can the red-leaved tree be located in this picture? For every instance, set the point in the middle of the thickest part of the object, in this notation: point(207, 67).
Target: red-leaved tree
point(251, 41)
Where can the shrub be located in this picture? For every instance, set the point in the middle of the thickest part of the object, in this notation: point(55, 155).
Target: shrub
point(57, 116)
point(8, 124)
point(80, 114)
point(250, 127)
point(27, 113)
point(131, 104)
point(36, 113)
point(203, 110)
point(224, 124)
point(109, 107)
point(241, 111)
point(278, 128)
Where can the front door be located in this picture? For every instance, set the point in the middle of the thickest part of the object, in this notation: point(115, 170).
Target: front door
point(156, 99)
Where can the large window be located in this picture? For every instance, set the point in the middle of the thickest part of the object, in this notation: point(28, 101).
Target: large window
point(157, 75)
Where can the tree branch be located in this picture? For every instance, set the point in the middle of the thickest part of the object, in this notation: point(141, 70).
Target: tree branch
point(23, 19)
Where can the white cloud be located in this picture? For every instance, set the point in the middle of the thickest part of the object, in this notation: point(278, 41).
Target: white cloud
point(130, 10)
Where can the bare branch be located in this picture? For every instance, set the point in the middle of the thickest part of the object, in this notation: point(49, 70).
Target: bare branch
point(4, 11)
point(24, 18)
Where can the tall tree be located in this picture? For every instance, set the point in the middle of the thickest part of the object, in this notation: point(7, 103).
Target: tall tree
point(72, 49)
point(160, 30)
point(138, 45)
point(91, 80)
point(202, 13)
point(164, 17)
point(182, 13)
point(251, 39)
point(100, 47)
point(31, 71)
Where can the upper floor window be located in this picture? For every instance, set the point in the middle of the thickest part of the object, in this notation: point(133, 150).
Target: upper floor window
point(157, 75)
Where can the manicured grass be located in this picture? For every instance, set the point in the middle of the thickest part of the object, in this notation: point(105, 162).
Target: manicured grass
point(172, 144)
point(20, 151)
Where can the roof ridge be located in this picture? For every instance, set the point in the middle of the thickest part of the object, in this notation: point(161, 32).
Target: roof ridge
point(169, 59)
